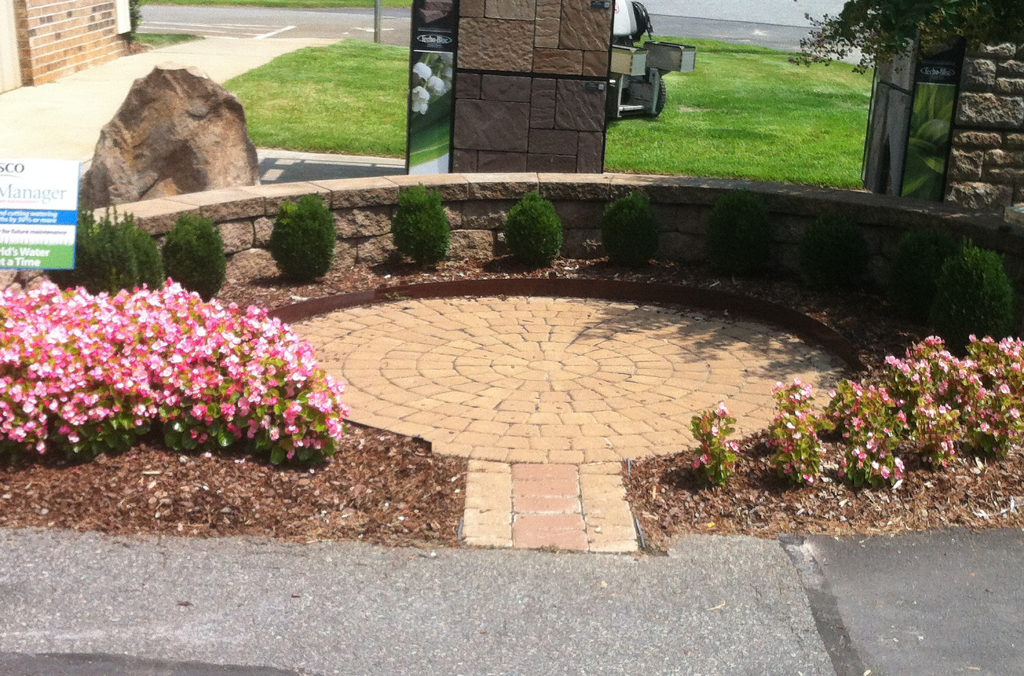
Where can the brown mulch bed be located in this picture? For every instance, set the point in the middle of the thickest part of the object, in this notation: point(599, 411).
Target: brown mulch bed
point(386, 488)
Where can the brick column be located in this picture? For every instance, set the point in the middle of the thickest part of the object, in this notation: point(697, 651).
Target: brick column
point(531, 86)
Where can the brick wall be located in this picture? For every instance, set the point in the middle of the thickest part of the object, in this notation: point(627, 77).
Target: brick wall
point(56, 38)
point(987, 155)
point(531, 86)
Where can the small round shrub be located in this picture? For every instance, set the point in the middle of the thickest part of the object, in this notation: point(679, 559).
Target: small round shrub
point(420, 228)
point(916, 268)
point(833, 254)
point(112, 254)
point(973, 295)
point(739, 239)
point(194, 255)
point(302, 241)
point(533, 231)
point(629, 231)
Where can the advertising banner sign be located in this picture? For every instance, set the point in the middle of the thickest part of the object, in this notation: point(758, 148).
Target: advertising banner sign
point(936, 85)
point(38, 214)
point(431, 81)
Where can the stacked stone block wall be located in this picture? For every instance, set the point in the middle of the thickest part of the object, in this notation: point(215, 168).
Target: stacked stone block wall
point(478, 204)
point(986, 168)
point(58, 38)
point(531, 86)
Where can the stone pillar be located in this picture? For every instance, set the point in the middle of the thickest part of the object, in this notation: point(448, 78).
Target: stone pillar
point(531, 84)
point(986, 169)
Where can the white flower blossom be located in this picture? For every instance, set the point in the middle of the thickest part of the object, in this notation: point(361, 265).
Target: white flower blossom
point(436, 85)
point(422, 70)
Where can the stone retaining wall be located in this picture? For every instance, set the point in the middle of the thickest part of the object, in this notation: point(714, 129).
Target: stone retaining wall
point(478, 203)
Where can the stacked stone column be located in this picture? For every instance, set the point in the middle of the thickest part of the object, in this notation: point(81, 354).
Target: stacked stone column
point(987, 155)
point(531, 85)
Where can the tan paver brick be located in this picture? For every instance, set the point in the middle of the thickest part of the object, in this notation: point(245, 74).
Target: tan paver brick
point(548, 487)
point(535, 472)
point(539, 504)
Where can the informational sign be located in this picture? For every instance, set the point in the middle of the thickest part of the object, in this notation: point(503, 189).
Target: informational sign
point(38, 214)
point(431, 82)
point(936, 85)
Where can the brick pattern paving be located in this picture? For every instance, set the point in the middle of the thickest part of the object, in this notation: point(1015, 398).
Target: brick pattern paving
point(546, 396)
point(554, 380)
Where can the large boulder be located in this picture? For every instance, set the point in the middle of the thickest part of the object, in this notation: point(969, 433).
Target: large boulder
point(177, 132)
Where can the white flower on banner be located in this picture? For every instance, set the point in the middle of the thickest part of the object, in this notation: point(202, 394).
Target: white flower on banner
point(420, 99)
point(422, 70)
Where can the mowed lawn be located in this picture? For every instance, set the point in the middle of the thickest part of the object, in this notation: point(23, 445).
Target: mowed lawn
point(746, 112)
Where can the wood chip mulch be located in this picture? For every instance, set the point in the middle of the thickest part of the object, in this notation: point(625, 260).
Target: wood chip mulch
point(389, 489)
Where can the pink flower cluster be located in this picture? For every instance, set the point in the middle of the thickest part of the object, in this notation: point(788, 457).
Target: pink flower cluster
point(872, 426)
point(794, 433)
point(87, 374)
point(715, 458)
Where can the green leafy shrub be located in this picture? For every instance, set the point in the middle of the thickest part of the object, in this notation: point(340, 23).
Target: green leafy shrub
point(112, 254)
point(973, 295)
point(533, 231)
point(302, 241)
point(739, 239)
point(420, 228)
point(915, 270)
point(629, 231)
point(194, 255)
point(833, 254)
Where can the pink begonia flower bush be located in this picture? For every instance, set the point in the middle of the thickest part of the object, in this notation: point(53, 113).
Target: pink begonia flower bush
point(87, 374)
point(793, 433)
point(715, 458)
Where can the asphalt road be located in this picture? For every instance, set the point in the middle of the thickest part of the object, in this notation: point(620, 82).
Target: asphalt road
point(774, 24)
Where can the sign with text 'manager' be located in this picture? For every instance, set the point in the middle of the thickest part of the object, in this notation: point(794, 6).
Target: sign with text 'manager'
point(38, 214)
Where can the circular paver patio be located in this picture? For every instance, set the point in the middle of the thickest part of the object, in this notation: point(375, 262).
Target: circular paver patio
point(536, 379)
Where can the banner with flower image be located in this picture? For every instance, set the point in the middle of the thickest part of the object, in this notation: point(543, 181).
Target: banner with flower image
point(431, 79)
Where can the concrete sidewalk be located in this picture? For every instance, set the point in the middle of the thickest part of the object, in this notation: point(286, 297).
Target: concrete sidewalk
point(62, 120)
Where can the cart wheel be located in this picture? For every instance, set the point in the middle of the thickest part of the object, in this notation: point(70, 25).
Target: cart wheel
point(660, 105)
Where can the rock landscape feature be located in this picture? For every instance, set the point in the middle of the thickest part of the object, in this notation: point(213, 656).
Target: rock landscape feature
point(177, 132)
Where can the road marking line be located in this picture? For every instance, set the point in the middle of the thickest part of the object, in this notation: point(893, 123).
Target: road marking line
point(273, 33)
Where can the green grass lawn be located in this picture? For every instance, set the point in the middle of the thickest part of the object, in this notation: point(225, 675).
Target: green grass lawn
point(164, 39)
point(746, 112)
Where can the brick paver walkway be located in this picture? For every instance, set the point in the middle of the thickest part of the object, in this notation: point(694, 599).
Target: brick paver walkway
point(549, 394)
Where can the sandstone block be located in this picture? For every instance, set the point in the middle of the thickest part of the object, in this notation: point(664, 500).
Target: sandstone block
point(1009, 175)
point(677, 246)
point(486, 214)
point(464, 161)
point(562, 164)
point(549, 9)
point(546, 33)
point(966, 166)
point(584, 244)
point(177, 132)
point(491, 125)
point(989, 110)
point(1015, 141)
point(472, 8)
point(553, 141)
point(490, 162)
point(496, 44)
point(584, 27)
point(510, 9)
point(1003, 158)
point(579, 107)
point(977, 138)
point(237, 235)
point(467, 86)
point(590, 156)
point(374, 250)
point(505, 88)
point(980, 196)
point(363, 222)
point(1010, 68)
point(979, 74)
point(263, 227)
point(1010, 86)
point(579, 214)
point(1004, 50)
point(558, 61)
point(595, 63)
point(542, 103)
point(472, 244)
point(250, 264)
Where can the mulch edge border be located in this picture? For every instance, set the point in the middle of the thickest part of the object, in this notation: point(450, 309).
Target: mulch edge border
point(807, 328)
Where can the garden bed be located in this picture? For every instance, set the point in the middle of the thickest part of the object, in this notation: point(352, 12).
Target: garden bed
point(386, 488)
